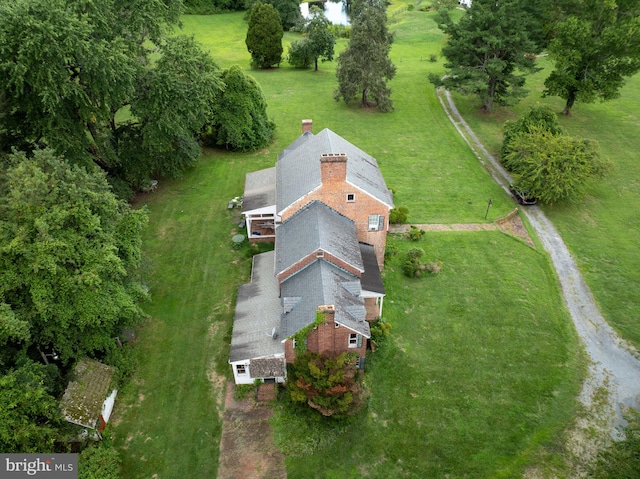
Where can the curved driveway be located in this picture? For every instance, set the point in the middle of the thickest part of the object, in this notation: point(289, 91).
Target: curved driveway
point(615, 366)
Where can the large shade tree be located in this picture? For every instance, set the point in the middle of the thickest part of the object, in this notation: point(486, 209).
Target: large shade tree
point(69, 255)
point(240, 120)
point(73, 72)
point(489, 51)
point(553, 167)
point(29, 414)
point(364, 67)
point(595, 47)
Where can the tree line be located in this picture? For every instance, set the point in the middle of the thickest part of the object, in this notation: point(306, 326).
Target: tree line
point(593, 45)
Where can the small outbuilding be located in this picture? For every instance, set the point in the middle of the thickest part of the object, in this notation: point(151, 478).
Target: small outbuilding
point(89, 397)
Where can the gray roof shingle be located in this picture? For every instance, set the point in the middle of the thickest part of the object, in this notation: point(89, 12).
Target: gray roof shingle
point(259, 189)
point(298, 168)
point(314, 227)
point(258, 312)
point(371, 279)
point(322, 283)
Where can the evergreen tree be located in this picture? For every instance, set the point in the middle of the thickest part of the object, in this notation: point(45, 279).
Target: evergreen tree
point(364, 67)
point(486, 50)
point(264, 36)
point(595, 46)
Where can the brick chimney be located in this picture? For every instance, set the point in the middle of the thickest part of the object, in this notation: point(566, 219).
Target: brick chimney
point(333, 167)
point(307, 125)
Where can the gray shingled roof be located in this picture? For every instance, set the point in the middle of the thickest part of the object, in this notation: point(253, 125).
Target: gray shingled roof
point(298, 168)
point(267, 368)
point(314, 227)
point(371, 279)
point(258, 311)
point(322, 283)
point(259, 189)
point(84, 396)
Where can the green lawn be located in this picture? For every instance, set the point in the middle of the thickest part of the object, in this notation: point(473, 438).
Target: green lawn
point(602, 231)
point(480, 375)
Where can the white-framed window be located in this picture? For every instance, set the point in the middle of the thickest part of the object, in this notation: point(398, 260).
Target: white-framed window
point(241, 369)
point(319, 254)
point(376, 222)
point(353, 340)
point(351, 197)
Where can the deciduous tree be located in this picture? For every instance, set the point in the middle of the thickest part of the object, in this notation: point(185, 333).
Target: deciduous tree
point(541, 117)
point(29, 414)
point(318, 44)
point(488, 52)
point(364, 67)
point(264, 36)
point(69, 253)
point(240, 120)
point(595, 47)
point(554, 167)
point(73, 72)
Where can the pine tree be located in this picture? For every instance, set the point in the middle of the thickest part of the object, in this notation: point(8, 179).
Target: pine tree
point(364, 67)
point(486, 49)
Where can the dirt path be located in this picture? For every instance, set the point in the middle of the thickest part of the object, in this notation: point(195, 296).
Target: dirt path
point(615, 364)
point(247, 449)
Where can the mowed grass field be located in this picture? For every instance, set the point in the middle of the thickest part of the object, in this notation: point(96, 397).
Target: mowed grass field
point(481, 371)
point(602, 231)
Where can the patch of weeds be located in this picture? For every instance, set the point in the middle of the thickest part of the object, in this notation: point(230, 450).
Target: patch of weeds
point(242, 391)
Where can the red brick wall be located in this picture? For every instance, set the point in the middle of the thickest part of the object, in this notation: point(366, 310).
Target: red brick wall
point(334, 195)
point(327, 339)
point(312, 257)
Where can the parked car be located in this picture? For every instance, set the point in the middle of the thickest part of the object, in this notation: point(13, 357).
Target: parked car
point(522, 197)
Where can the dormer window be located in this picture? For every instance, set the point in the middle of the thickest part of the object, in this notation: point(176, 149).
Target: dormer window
point(351, 197)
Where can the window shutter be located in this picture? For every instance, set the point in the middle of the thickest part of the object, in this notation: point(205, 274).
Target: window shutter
point(359, 340)
point(380, 223)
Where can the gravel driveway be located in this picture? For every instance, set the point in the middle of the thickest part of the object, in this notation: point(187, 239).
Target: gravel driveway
point(615, 364)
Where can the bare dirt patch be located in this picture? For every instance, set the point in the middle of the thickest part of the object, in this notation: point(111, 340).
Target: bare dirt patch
point(247, 449)
point(515, 227)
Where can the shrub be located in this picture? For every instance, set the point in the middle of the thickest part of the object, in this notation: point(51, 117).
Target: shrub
point(415, 254)
point(390, 251)
point(433, 57)
point(379, 332)
point(415, 234)
point(398, 215)
point(434, 268)
point(329, 384)
point(411, 268)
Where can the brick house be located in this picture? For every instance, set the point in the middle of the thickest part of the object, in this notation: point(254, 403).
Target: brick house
point(326, 206)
